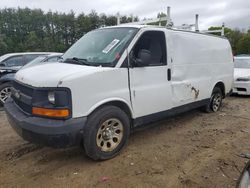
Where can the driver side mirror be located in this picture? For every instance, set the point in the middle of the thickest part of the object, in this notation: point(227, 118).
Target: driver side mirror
point(143, 59)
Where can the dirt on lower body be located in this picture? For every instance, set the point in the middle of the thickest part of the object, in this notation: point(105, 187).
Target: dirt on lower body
point(194, 149)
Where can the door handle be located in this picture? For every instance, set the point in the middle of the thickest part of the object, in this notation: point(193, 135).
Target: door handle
point(169, 74)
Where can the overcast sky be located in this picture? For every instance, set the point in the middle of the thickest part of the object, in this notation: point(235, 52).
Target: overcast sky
point(235, 13)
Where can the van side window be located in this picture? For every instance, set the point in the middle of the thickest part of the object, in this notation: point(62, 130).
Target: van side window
point(153, 41)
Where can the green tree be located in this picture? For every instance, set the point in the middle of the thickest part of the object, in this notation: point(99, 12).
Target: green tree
point(227, 31)
point(3, 46)
point(234, 38)
point(160, 15)
point(243, 46)
point(27, 29)
point(32, 42)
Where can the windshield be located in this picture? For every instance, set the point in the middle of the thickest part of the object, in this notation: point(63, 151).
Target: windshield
point(242, 63)
point(100, 47)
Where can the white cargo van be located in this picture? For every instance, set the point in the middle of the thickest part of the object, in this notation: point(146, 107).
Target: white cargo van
point(117, 78)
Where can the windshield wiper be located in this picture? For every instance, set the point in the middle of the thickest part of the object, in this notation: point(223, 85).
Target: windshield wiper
point(78, 61)
point(83, 61)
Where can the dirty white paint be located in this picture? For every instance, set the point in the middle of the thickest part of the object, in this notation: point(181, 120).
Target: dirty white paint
point(197, 63)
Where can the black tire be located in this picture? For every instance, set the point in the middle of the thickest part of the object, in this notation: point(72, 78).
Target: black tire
point(215, 102)
point(3, 87)
point(94, 131)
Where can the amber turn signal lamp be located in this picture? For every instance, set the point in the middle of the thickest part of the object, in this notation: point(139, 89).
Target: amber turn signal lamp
point(54, 113)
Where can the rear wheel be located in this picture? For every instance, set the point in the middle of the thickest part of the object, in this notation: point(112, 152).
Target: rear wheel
point(106, 133)
point(215, 102)
point(5, 92)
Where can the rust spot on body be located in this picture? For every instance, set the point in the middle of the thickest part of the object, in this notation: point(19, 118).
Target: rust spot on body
point(196, 92)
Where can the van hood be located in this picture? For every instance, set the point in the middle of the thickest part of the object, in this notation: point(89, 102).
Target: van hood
point(241, 73)
point(50, 75)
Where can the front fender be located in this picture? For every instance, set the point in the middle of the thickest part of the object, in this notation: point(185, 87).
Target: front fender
point(90, 91)
point(7, 78)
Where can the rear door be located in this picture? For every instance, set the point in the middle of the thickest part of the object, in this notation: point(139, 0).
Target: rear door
point(150, 86)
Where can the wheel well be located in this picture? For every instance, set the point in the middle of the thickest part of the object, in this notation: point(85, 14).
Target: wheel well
point(122, 105)
point(222, 87)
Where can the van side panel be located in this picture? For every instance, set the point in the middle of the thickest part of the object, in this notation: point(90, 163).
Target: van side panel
point(198, 63)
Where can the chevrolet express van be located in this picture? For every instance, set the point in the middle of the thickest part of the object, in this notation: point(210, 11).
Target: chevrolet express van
point(115, 79)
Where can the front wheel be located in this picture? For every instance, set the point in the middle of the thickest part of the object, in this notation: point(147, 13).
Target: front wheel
point(215, 102)
point(106, 133)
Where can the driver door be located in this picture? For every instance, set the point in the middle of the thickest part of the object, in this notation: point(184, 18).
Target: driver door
point(150, 85)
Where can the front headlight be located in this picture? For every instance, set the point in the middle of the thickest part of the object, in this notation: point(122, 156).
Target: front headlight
point(51, 97)
point(52, 102)
point(243, 79)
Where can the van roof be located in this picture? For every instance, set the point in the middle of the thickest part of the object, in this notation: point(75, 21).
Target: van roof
point(155, 26)
point(131, 25)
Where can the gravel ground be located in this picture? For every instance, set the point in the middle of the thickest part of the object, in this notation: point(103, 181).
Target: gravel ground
point(193, 149)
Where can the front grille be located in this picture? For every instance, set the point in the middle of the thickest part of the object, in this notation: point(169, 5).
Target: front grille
point(23, 88)
point(241, 89)
point(243, 79)
point(24, 92)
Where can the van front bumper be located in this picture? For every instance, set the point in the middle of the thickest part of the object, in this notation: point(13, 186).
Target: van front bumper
point(42, 131)
point(241, 88)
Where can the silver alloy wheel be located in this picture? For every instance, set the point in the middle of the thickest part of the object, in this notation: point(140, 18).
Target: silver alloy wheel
point(109, 135)
point(217, 99)
point(5, 94)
